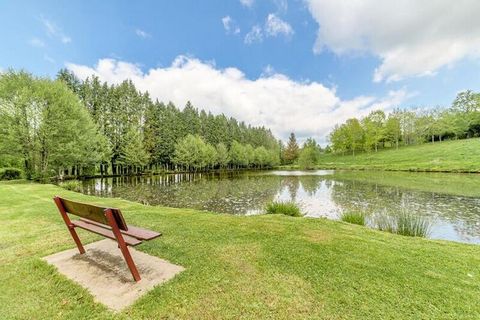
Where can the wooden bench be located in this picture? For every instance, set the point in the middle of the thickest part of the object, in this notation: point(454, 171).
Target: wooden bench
point(107, 222)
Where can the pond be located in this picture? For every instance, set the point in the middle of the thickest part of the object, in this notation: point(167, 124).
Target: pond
point(451, 202)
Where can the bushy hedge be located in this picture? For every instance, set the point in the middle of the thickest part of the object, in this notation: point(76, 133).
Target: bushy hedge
point(10, 173)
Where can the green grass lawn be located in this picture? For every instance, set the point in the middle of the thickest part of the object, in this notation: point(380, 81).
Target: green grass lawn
point(448, 156)
point(269, 266)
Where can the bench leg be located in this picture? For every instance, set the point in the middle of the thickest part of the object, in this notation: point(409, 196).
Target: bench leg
point(69, 225)
point(122, 245)
point(130, 263)
point(76, 239)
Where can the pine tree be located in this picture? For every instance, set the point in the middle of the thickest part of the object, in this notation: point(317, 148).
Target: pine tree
point(291, 150)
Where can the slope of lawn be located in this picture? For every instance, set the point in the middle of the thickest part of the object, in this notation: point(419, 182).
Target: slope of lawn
point(237, 267)
point(447, 156)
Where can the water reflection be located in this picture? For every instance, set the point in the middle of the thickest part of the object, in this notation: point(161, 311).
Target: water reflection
point(320, 194)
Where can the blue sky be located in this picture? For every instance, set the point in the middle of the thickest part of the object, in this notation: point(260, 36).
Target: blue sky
point(261, 61)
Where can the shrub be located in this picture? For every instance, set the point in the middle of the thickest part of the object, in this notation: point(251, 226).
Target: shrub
point(288, 208)
point(72, 185)
point(10, 173)
point(353, 217)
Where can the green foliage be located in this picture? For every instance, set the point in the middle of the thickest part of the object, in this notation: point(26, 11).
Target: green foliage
point(309, 155)
point(288, 208)
point(132, 151)
point(238, 155)
point(376, 131)
point(291, 151)
point(222, 155)
point(120, 109)
point(72, 185)
point(10, 173)
point(75, 127)
point(353, 217)
point(45, 128)
point(193, 152)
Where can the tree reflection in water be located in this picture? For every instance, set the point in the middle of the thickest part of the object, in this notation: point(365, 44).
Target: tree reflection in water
point(320, 194)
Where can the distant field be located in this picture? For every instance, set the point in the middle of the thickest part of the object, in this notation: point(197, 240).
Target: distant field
point(447, 156)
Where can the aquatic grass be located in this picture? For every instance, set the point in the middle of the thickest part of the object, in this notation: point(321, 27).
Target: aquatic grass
point(288, 208)
point(384, 222)
point(72, 185)
point(402, 223)
point(411, 225)
point(354, 217)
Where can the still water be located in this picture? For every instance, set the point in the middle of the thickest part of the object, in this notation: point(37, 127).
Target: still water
point(450, 201)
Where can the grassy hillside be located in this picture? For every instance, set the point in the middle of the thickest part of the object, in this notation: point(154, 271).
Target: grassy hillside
point(239, 267)
point(447, 156)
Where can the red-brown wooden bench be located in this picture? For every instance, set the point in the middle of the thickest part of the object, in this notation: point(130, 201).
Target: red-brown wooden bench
point(107, 222)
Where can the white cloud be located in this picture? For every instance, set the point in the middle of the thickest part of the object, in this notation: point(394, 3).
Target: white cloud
point(274, 100)
point(254, 35)
point(142, 34)
point(411, 37)
point(55, 32)
point(247, 3)
point(268, 71)
point(36, 42)
point(230, 25)
point(275, 26)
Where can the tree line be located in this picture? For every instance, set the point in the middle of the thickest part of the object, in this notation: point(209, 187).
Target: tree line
point(376, 131)
point(71, 127)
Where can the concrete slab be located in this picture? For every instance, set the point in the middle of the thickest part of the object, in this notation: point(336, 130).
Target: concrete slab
point(103, 271)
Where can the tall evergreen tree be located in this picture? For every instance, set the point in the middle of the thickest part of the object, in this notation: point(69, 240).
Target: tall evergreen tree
point(291, 150)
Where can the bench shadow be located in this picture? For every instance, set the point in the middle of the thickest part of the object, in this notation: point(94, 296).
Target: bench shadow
point(113, 265)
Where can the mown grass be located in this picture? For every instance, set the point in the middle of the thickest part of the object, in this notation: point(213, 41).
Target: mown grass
point(288, 208)
point(354, 217)
point(446, 156)
point(238, 267)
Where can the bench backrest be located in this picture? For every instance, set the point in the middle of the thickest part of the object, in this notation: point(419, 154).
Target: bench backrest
point(94, 213)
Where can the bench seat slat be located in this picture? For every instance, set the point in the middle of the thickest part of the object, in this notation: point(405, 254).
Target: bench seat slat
point(96, 228)
point(139, 233)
